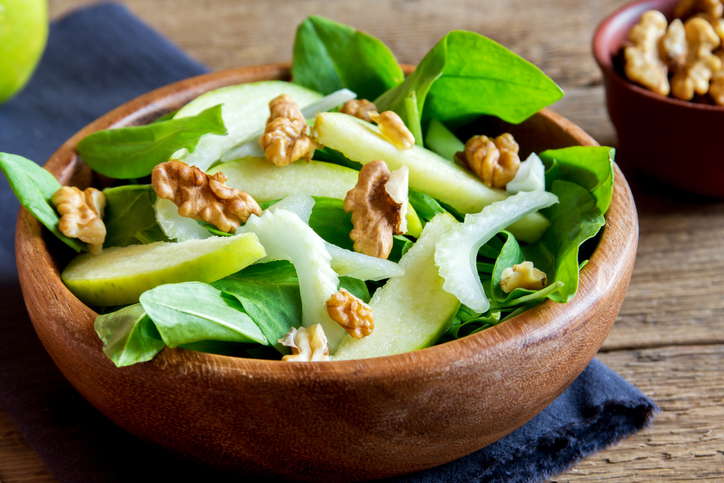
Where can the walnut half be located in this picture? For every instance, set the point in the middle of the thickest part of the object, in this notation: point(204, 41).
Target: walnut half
point(203, 197)
point(393, 129)
point(522, 275)
point(351, 313)
point(307, 344)
point(286, 136)
point(376, 214)
point(81, 214)
point(359, 108)
point(495, 161)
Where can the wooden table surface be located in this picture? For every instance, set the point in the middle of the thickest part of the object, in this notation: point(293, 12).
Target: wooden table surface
point(668, 339)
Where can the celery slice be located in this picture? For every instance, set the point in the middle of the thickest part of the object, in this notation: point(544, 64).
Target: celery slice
point(456, 253)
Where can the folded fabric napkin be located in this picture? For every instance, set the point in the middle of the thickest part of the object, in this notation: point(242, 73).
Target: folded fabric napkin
point(98, 58)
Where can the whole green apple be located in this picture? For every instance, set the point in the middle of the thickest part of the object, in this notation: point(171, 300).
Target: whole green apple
point(23, 33)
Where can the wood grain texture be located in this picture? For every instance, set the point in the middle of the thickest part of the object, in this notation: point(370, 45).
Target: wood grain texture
point(675, 298)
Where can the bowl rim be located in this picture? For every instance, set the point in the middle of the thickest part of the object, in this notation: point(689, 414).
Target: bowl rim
point(542, 321)
point(602, 52)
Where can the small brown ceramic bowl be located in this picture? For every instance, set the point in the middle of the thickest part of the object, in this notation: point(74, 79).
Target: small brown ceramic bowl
point(674, 141)
point(339, 420)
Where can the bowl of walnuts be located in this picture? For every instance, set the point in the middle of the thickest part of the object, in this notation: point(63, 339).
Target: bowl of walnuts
point(663, 72)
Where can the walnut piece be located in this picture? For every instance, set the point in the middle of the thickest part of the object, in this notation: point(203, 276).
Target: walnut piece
point(285, 106)
point(376, 215)
point(700, 64)
point(307, 344)
point(716, 89)
point(351, 313)
point(643, 60)
point(203, 197)
point(687, 8)
point(673, 44)
point(495, 161)
point(393, 129)
point(359, 108)
point(81, 214)
point(286, 136)
point(522, 275)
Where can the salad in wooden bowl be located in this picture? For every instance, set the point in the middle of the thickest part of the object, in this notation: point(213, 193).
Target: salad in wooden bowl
point(390, 300)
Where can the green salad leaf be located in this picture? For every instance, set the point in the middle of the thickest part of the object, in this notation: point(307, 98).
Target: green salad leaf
point(193, 311)
point(329, 56)
point(132, 152)
point(129, 336)
point(575, 219)
point(129, 216)
point(269, 294)
point(34, 186)
point(466, 75)
point(588, 166)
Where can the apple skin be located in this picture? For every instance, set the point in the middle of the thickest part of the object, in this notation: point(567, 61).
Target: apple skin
point(23, 35)
point(119, 275)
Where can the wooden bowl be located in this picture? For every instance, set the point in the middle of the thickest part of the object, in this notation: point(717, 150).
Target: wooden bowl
point(657, 134)
point(340, 420)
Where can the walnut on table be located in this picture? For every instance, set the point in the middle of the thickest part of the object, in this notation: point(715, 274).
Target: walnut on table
point(203, 197)
point(81, 214)
point(286, 136)
point(359, 108)
point(376, 214)
point(306, 343)
point(393, 129)
point(495, 161)
point(351, 313)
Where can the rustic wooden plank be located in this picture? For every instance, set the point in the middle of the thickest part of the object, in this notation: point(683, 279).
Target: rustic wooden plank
point(19, 463)
point(243, 33)
point(686, 441)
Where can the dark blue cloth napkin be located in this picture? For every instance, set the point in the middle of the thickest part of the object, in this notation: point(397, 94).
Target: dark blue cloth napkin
point(97, 59)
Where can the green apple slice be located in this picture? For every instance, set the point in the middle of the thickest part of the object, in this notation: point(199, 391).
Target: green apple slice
point(265, 181)
point(430, 173)
point(245, 111)
point(411, 311)
point(119, 275)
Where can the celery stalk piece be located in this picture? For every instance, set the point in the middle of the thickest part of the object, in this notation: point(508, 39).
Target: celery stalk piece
point(251, 147)
point(300, 205)
point(456, 253)
point(285, 236)
point(411, 311)
point(531, 176)
point(245, 111)
point(363, 267)
point(445, 181)
point(441, 140)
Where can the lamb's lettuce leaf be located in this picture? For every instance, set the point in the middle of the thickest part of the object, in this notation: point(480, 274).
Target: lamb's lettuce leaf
point(467, 75)
point(191, 311)
point(132, 152)
point(329, 56)
point(269, 294)
point(34, 187)
point(589, 166)
point(129, 216)
point(129, 336)
point(575, 219)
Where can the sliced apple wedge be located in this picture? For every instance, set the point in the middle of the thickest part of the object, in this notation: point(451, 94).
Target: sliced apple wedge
point(245, 110)
point(411, 311)
point(362, 142)
point(266, 182)
point(120, 275)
